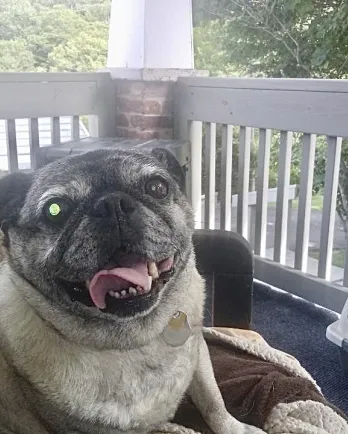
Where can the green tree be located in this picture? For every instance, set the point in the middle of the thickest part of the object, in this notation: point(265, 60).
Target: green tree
point(15, 17)
point(285, 38)
point(85, 51)
point(15, 56)
point(210, 51)
point(280, 38)
point(47, 35)
point(89, 9)
point(52, 28)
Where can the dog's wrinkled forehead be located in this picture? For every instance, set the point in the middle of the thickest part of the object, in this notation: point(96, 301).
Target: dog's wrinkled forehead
point(77, 177)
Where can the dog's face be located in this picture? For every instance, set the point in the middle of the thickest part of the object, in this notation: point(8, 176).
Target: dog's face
point(102, 236)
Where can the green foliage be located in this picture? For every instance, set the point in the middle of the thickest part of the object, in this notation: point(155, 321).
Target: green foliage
point(88, 48)
point(283, 38)
point(88, 9)
point(53, 35)
point(209, 50)
point(15, 56)
point(54, 27)
point(279, 38)
point(15, 17)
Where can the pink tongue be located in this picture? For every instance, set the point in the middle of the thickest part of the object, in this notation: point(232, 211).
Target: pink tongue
point(133, 273)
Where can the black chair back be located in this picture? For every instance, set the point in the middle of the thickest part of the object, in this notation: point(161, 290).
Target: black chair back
point(225, 260)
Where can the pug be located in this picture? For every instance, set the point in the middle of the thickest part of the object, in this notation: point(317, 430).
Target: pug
point(101, 304)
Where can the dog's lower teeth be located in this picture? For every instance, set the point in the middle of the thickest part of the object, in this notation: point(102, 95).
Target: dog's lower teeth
point(138, 291)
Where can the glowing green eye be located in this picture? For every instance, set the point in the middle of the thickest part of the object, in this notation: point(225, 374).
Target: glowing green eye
point(57, 210)
point(54, 209)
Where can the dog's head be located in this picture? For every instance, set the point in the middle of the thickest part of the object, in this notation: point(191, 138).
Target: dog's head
point(103, 237)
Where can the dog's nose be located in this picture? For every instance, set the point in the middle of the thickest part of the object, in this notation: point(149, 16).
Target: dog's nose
point(114, 205)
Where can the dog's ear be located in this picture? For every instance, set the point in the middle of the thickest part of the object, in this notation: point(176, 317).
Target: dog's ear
point(169, 161)
point(13, 190)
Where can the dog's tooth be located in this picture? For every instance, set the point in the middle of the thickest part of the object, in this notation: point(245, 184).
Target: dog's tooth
point(149, 281)
point(139, 290)
point(117, 295)
point(112, 293)
point(132, 291)
point(153, 270)
point(124, 293)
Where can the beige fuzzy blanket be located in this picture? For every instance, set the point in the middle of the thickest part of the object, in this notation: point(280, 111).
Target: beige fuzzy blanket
point(261, 386)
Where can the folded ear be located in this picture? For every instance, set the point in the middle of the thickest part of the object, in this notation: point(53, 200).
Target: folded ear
point(13, 190)
point(170, 162)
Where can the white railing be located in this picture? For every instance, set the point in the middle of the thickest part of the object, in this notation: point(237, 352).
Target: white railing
point(32, 98)
point(219, 116)
point(239, 107)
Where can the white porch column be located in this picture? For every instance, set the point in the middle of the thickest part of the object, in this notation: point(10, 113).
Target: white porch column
point(151, 34)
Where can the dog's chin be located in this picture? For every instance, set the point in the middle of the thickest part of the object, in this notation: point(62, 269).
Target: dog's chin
point(110, 291)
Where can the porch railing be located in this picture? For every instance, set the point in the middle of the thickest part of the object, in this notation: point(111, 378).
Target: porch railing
point(232, 125)
point(281, 108)
point(29, 97)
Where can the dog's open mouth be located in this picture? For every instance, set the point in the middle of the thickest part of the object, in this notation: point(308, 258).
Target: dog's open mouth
point(135, 277)
point(134, 282)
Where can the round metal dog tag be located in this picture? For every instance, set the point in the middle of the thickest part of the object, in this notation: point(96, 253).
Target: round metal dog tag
point(178, 330)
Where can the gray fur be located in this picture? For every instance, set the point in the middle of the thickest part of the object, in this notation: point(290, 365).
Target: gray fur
point(68, 368)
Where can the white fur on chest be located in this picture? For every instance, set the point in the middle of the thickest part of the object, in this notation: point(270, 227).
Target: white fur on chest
point(123, 389)
point(138, 384)
point(112, 388)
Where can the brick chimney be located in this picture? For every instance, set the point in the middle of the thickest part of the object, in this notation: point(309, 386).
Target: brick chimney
point(150, 46)
point(144, 109)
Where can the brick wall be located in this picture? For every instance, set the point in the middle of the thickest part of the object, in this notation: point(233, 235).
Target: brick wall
point(144, 109)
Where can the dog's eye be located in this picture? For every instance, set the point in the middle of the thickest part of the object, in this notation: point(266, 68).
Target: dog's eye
point(157, 188)
point(56, 210)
